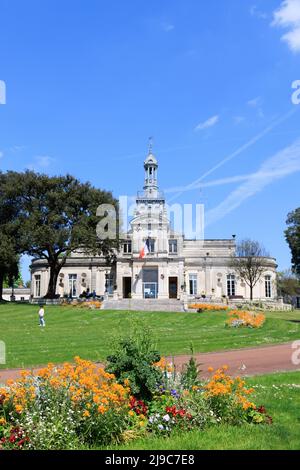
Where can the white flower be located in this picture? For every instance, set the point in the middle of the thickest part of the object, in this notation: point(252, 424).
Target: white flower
point(166, 418)
point(160, 427)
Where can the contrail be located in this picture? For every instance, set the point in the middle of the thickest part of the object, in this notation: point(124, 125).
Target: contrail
point(282, 164)
point(236, 153)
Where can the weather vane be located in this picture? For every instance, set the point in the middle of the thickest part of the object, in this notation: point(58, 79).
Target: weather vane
point(150, 144)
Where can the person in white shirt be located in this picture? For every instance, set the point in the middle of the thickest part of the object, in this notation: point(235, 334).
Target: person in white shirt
point(41, 316)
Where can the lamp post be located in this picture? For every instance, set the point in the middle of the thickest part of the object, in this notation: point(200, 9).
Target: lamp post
point(12, 297)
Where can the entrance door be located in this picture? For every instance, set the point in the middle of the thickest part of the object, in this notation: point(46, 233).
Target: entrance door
point(173, 287)
point(126, 287)
point(150, 283)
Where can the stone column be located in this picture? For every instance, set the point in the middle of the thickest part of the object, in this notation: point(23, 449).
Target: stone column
point(93, 279)
point(207, 280)
point(180, 279)
point(163, 281)
point(101, 282)
point(119, 280)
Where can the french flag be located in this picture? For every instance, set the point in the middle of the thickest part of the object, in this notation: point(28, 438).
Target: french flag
point(145, 250)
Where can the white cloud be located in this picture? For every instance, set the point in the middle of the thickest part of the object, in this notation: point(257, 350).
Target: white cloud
point(241, 149)
point(16, 148)
point(40, 163)
point(284, 163)
point(44, 161)
point(254, 11)
point(288, 16)
point(206, 124)
point(167, 27)
point(255, 102)
point(238, 119)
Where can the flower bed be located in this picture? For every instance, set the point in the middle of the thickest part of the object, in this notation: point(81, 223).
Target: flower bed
point(90, 304)
point(240, 319)
point(216, 308)
point(60, 407)
point(81, 405)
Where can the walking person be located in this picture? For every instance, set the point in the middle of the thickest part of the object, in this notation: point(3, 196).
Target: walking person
point(41, 316)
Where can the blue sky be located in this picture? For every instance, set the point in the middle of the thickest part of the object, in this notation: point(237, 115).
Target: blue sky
point(87, 82)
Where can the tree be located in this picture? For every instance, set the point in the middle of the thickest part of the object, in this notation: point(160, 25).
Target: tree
point(9, 261)
point(9, 257)
point(292, 235)
point(57, 217)
point(288, 285)
point(249, 262)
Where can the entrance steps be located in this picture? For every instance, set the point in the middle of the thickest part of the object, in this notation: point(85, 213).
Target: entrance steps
point(146, 305)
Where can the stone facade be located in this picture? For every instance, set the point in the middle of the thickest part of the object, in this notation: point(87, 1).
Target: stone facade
point(19, 294)
point(174, 267)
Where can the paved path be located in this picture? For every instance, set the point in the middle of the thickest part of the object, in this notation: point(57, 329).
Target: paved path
point(251, 361)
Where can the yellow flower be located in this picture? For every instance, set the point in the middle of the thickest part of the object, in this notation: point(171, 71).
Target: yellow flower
point(19, 408)
point(101, 409)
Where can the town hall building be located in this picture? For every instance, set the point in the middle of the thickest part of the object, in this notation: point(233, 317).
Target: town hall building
point(155, 262)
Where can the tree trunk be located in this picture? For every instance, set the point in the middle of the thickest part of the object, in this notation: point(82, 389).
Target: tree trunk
point(1, 286)
point(251, 292)
point(54, 272)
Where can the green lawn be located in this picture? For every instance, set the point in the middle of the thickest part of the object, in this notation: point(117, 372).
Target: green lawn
point(280, 393)
point(71, 331)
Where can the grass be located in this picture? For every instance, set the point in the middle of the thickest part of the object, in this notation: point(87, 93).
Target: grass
point(278, 392)
point(72, 331)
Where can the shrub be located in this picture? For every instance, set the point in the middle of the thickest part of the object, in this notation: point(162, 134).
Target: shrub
point(134, 361)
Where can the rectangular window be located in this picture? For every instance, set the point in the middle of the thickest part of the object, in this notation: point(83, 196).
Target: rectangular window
point(127, 247)
point(73, 285)
point(151, 245)
point(231, 285)
point(37, 285)
point(149, 227)
point(268, 286)
point(173, 246)
point(109, 283)
point(193, 284)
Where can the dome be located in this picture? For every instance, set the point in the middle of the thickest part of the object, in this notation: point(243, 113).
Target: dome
point(150, 160)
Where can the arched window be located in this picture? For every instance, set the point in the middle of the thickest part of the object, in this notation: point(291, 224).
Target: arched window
point(230, 285)
point(268, 286)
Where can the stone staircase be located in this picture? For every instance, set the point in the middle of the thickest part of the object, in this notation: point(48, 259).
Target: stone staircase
point(146, 305)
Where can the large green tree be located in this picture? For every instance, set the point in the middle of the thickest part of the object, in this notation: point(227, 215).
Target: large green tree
point(57, 217)
point(9, 254)
point(9, 261)
point(292, 235)
point(248, 261)
point(288, 285)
